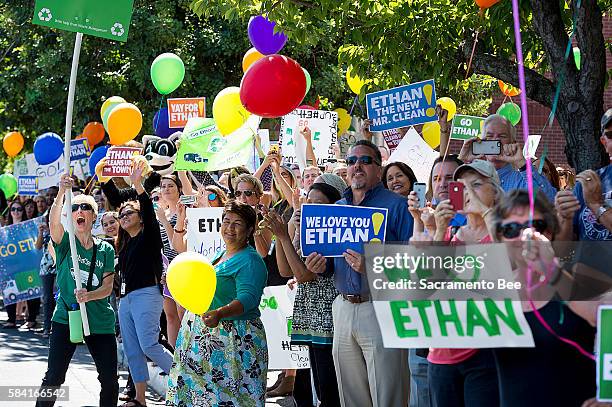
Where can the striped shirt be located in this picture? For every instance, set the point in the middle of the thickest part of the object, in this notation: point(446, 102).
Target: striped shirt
point(168, 251)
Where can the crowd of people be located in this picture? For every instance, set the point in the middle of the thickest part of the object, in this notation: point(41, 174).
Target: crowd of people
point(220, 358)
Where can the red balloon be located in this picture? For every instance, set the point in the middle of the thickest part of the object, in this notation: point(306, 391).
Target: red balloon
point(273, 86)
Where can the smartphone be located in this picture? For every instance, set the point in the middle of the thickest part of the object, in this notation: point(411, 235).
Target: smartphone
point(455, 194)
point(486, 147)
point(420, 188)
point(188, 199)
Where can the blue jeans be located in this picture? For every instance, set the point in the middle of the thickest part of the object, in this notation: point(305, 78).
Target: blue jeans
point(48, 282)
point(419, 384)
point(139, 313)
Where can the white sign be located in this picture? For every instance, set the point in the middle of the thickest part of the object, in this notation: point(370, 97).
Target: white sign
point(49, 175)
point(416, 153)
point(276, 308)
point(530, 148)
point(204, 231)
point(453, 324)
point(324, 128)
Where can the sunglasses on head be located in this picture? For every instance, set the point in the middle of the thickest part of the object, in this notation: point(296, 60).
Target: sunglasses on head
point(364, 159)
point(246, 193)
point(212, 196)
point(16, 209)
point(126, 214)
point(513, 229)
point(82, 206)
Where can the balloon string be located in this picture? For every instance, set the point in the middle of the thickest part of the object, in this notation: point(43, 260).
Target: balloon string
point(467, 72)
point(93, 178)
point(156, 124)
point(354, 103)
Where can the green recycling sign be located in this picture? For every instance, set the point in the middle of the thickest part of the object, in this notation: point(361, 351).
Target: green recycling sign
point(108, 19)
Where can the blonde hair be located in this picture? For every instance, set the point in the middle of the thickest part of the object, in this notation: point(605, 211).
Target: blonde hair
point(86, 199)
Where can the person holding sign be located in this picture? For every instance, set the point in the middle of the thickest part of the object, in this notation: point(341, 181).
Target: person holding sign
point(221, 357)
point(96, 262)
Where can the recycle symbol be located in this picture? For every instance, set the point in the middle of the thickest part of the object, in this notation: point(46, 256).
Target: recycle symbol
point(45, 14)
point(117, 29)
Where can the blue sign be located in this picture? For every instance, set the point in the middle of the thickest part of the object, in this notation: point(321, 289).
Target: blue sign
point(331, 229)
point(27, 185)
point(402, 106)
point(79, 149)
point(20, 262)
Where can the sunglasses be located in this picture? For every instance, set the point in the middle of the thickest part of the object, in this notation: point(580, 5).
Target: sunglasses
point(513, 229)
point(212, 196)
point(608, 134)
point(126, 214)
point(239, 193)
point(16, 209)
point(82, 206)
point(364, 159)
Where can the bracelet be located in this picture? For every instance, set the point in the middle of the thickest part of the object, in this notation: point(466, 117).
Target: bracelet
point(179, 231)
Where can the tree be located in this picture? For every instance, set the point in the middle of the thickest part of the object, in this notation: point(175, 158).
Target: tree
point(403, 41)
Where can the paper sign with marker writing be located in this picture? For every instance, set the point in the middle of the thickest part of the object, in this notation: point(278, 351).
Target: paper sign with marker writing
point(466, 127)
point(402, 106)
point(323, 126)
point(204, 231)
point(453, 324)
point(415, 152)
point(331, 229)
point(604, 353)
point(392, 138)
point(119, 161)
point(276, 309)
point(181, 110)
point(27, 185)
point(79, 149)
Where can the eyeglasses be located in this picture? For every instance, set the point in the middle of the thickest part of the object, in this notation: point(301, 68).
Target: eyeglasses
point(126, 214)
point(212, 196)
point(513, 229)
point(16, 209)
point(82, 206)
point(364, 159)
point(155, 199)
point(608, 134)
point(246, 193)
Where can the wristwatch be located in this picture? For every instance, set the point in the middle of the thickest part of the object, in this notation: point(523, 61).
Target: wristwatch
point(601, 210)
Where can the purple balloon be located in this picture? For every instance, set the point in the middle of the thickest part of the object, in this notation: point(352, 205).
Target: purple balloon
point(262, 36)
point(160, 124)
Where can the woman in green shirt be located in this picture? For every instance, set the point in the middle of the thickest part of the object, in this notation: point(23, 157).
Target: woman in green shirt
point(98, 280)
point(221, 357)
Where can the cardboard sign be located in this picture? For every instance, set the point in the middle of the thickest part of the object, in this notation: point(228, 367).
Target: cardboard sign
point(119, 161)
point(466, 127)
point(108, 19)
point(204, 231)
point(27, 185)
point(331, 229)
point(79, 149)
point(402, 106)
point(604, 353)
point(415, 152)
point(324, 128)
point(392, 138)
point(181, 110)
point(276, 309)
point(453, 324)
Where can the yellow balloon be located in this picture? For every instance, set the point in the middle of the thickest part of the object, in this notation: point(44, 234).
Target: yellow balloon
point(355, 83)
point(250, 58)
point(111, 101)
point(449, 105)
point(431, 134)
point(228, 112)
point(124, 123)
point(344, 121)
point(192, 281)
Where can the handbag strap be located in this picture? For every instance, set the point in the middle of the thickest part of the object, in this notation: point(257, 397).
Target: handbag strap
point(92, 266)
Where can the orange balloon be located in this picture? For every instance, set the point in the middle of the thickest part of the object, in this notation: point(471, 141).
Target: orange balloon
point(250, 58)
point(486, 3)
point(94, 133)
point(508, 90)
point(13, 143)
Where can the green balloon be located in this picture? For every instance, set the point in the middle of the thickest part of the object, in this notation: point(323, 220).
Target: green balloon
point(107, 113)
point(510, 111)
point(308, 80)
point(577, 57)
point(8, 185)
point(167, 73)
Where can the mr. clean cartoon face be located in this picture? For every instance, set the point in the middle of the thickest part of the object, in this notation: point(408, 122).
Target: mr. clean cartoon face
point(161, 153)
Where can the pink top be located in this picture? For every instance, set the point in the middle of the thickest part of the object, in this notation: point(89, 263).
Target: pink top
point(453, 356)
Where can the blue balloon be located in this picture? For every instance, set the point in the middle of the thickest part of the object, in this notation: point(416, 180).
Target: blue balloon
point(160, 124)
point(48, 148)
point(95, 157)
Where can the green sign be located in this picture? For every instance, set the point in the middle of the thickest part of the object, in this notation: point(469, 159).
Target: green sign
point(604, 353)
point(466, 127)
point(101, 18)
point(203, 148)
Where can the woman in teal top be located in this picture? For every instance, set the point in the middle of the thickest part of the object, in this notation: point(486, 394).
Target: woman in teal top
point(221, 357)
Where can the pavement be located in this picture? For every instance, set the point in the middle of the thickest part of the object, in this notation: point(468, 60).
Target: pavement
point(23, 362)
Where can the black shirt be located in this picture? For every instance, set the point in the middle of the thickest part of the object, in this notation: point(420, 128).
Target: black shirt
point(140, 260)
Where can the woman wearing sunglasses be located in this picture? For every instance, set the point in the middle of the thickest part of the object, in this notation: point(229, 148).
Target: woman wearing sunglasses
point(553, 373)
point(96, 260)
point(140, 246)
